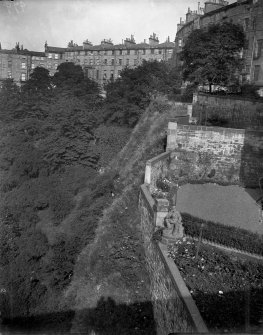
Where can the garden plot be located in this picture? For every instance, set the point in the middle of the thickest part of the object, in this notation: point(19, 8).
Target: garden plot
point(227, 289)
point(230, 205)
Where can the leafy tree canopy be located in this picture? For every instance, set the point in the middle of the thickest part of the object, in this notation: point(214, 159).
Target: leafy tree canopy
point(10, 100)
point(211, 56)
point(39, 82)
point(70, 80)
point(129, 95)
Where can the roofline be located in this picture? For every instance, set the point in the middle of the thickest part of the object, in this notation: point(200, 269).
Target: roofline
point(215, 11)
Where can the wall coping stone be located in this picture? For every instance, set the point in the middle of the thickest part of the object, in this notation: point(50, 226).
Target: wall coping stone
point(182, 290)
point(215, 129)
point(149, 199)
point(228, 97)
point(158, 158)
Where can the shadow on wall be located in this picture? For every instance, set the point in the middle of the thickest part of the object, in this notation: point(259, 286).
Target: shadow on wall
point(107, 318)
point(251, 168)
point(237, 311)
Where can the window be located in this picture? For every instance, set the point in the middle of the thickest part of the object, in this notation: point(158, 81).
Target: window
point(256, 72)
point(112, 61)
point(119, 73)
point(160, 52)
point(49, 55)
point(180, 42)
point(112, 52)
point(104, 75)
point(170, 51)
point(246, 24)
point(32, 66)
point(128, 52)
point(56, 56)
point(127, 62)
point(135, 62)
point(111, 75)
point(33, 57)
point(23, 77)
point(98, 74)
point(91, 61)
point(105, 61)
point(135, 52)
point(120, 61)
point(258, 49)
point(152, 51)
point(23, 65)
point(144, 52)
point(55, 66)
point(120, 52)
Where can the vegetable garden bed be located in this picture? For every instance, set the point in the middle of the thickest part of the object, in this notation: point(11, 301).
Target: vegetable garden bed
point(229, 236)
point(228, 290)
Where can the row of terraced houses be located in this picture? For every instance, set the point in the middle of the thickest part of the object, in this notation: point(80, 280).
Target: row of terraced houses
point(248, 13)
point(100, 62)
point(105, 61)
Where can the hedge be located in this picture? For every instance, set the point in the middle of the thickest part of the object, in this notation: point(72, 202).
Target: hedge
point(226, 235)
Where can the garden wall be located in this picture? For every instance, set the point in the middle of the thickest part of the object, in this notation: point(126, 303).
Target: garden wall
point(215, 154)
point(174, 308)
point(237, 112)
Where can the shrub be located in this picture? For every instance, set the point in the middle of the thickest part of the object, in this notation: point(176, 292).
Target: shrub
point(227, 235)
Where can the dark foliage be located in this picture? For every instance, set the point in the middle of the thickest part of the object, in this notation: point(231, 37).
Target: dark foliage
point(229, 236)
point(129, 95)
point(210, 56)
point(227, 289)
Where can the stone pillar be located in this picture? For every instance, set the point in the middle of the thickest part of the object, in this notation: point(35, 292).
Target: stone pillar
point(190, 111)
point(171, 136)
point(162, 208)
point(195, 98)
point(148, 170)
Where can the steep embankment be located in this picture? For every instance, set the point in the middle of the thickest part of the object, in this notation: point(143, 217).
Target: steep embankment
point(110, 289)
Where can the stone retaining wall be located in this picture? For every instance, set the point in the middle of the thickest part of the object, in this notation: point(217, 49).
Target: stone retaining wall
point(216, 154)
point(238, 112)
point(174, 308)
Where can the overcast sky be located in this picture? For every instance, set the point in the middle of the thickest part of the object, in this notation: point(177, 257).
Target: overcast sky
point(32, 22)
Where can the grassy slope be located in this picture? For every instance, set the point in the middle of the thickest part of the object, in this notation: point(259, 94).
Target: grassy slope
point(113, 265)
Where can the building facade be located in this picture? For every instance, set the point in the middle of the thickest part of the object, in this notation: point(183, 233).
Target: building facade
point(248, 13)
point(101, 62)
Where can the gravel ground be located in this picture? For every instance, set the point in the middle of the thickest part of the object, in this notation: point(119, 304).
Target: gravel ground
point(232, 205)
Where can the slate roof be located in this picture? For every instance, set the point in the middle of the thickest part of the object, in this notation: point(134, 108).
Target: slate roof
point(55, 49)
point(23, 52)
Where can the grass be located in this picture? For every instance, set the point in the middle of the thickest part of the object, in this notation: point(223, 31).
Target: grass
point(113, 264)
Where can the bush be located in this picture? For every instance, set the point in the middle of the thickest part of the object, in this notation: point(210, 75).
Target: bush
point(229, 236)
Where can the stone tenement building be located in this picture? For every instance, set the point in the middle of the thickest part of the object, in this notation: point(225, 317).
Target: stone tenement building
point(248, 13)
point(99, 62)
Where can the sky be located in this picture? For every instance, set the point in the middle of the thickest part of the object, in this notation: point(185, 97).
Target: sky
point(32, 22)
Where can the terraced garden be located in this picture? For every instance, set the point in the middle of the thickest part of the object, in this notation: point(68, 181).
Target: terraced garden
point(227, 288)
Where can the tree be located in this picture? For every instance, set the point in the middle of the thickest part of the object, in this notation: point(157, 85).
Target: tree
point(68, 75)
point(130, 94)
point(9, 99)
point(39, 81)
point(212, 56)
